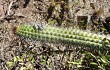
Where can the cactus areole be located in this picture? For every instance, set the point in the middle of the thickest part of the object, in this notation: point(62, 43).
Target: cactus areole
point(63, 35)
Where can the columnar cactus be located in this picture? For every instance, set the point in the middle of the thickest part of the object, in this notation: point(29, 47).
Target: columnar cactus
point(66, 36)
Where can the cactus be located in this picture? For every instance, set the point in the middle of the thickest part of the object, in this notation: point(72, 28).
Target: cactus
point(63, 35)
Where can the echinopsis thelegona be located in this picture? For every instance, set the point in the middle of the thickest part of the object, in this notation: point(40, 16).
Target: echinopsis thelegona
point(63, 35)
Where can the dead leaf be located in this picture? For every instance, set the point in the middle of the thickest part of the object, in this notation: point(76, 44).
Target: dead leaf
point(2, 14)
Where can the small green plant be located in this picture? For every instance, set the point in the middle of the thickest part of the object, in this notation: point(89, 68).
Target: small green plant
point(24, 62)
point(92, 61)
point(63, 35)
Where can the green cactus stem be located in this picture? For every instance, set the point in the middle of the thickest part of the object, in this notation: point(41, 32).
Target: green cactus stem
point(63, 35)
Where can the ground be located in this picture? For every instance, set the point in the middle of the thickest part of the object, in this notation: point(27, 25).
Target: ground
point(15, 51)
